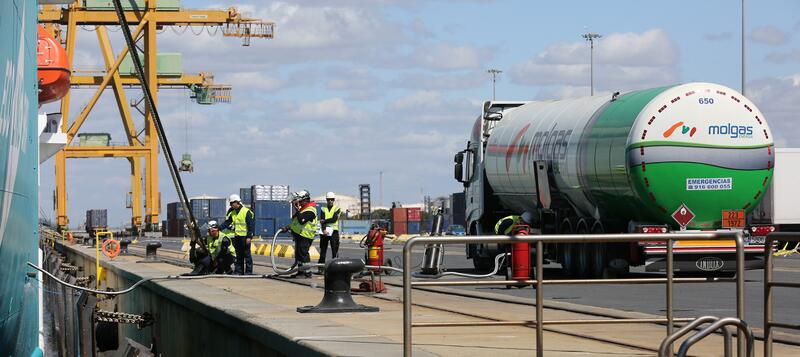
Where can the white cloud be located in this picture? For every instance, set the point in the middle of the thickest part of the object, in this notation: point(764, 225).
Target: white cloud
point(784, 57)
point(446, 56)
point(779, 100)
point(327, 109)
point(769, 35)
point(622, 61)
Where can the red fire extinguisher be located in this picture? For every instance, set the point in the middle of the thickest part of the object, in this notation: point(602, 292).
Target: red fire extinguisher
point(520, 256)
point(374, 246)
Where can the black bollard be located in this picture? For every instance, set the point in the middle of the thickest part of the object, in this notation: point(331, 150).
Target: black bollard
point(123, 244)
point(337, 289)
point(150, 255)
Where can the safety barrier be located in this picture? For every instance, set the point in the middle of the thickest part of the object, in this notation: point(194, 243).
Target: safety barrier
point(539, 281)
point(716, 324)
point(769, 284)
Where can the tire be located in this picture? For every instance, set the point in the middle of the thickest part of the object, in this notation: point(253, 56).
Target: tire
point(568, 262)
point(581, 252)
point(599, 254)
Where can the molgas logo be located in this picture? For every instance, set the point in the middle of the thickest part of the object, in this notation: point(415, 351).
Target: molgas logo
point(734, 131)
point(680, 128)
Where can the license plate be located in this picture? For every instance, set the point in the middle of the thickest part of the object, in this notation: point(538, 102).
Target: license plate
point(754, 240)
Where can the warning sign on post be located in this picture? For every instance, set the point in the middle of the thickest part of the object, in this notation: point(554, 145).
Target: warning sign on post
point(733, 218)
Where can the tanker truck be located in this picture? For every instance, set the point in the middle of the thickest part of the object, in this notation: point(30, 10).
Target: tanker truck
point(682, 158)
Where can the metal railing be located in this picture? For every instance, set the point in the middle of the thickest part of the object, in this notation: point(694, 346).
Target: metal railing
point(539, 281)
point(716, 324)
point(769, 284)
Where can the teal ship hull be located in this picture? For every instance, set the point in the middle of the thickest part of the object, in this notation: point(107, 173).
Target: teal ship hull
point(19, 295)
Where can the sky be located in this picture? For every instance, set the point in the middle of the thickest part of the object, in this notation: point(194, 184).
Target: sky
point(349, 89)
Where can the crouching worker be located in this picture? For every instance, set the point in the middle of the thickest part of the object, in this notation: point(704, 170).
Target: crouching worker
point(220, 249)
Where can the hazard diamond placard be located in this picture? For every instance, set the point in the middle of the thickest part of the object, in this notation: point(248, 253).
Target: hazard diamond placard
point(683, 215)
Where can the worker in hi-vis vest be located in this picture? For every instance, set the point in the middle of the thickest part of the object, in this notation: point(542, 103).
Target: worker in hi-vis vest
point(330, 229)
point(304, 227)
point(505, 225)
point(241, 221)
point(220, 249)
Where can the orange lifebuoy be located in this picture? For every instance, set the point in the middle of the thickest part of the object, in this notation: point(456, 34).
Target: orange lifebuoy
point(70, 238)
point(112, 251)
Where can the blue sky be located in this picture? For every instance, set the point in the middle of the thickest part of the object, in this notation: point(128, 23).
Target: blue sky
point(351, 88)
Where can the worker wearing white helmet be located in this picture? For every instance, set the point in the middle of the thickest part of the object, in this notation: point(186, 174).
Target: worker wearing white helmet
point(304, 228)
point(330, 229)
point(505, 225)
point(242, 222)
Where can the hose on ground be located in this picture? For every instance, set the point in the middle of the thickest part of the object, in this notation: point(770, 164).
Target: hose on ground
point(497, 263)
point(292, 269)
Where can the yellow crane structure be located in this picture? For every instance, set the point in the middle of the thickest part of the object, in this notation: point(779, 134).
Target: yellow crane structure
point(142, 148)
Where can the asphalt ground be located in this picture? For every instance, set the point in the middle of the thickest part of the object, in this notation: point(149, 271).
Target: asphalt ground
point(690, 299)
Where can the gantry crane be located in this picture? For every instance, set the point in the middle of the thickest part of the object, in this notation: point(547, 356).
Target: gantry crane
point(148, 18)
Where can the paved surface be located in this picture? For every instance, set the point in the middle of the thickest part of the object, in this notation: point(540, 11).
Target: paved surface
point(691, 300)
point(271, 304)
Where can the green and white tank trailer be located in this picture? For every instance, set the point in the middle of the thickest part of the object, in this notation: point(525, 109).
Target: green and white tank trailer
point(622, 161)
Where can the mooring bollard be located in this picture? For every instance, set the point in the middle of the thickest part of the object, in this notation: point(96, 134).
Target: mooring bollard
point(337, 296)
point(150, 252)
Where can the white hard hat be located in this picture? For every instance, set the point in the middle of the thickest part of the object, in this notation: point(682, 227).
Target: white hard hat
point(330, 196)
point(527, 217)
point(234, 198)
point(212, 224)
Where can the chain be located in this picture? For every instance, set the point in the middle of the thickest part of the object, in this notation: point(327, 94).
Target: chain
point(123, 318)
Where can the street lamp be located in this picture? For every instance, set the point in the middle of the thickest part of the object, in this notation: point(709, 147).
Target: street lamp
point(589, 36)
point(743, 47)
point(494, 73)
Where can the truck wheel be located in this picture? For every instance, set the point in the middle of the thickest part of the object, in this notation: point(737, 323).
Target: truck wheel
point(598, 259)
point(582, 251)
point(568, 261)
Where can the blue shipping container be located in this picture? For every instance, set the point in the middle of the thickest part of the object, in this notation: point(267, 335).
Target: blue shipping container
point(414, 227)
point(272, 209)
point(175, 211)
point(265, 227)
point(246, 195)
point(217, 207)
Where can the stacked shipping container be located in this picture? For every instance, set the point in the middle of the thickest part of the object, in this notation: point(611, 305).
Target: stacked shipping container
point(270, 204)
point(203, 210)
point(406, 220)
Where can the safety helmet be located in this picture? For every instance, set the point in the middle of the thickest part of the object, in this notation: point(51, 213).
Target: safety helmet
point(235, 198)
point(527, 217)
point(330, 196)
point(302, 195)
point(213, 225)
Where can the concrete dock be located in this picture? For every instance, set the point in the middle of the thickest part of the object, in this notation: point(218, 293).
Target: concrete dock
point(257, 316)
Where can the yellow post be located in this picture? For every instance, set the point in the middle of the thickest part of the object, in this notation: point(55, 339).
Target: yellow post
point(97, 254)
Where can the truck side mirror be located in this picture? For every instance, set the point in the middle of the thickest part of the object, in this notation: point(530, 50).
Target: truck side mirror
point(459, 172)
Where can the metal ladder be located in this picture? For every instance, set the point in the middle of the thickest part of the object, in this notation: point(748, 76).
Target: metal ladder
point(716, 323)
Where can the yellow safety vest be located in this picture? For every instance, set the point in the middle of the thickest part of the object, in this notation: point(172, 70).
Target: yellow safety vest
point(508, 230)
point(239, 221)
point(308, 230)
point(215, 244)
point(328, 214)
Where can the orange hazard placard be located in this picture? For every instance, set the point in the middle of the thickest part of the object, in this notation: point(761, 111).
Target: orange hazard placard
point(733, 218)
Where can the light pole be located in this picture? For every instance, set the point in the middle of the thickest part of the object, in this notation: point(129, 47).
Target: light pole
point(589, 36)
point(743, 47)
point(494, 73)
